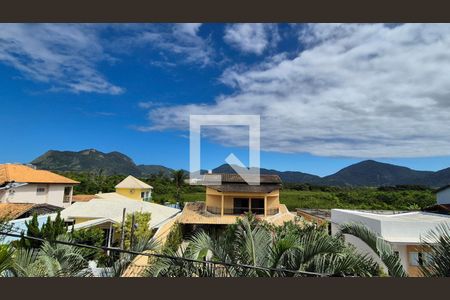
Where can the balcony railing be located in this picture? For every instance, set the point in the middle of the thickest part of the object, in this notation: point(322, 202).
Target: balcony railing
point(241, 210)
point(66, 199)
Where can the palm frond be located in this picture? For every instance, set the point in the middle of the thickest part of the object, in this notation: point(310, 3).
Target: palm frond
point(390, 259)
point(437, 242)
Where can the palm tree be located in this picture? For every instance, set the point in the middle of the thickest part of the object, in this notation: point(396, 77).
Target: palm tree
point(5, 258)
point(50, 260)
point(255, 249)
point(437, 263)
point(383, 249)
point(178, 179)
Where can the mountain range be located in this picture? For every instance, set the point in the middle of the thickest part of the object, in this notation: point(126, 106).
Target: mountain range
point(364, 173)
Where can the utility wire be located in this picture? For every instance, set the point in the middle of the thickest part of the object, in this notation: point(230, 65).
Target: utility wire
point(166, 256)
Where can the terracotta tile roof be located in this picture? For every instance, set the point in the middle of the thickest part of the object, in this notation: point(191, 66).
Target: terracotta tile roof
point(83, 198)
point(22, 173)
point(11, 211)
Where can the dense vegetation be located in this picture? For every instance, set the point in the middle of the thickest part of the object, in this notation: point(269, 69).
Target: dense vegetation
point(394, 197)
point(400, 197)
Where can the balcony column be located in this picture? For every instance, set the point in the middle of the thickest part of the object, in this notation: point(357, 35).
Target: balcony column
point(249, 204)
point(221, 207)
point(265, 206)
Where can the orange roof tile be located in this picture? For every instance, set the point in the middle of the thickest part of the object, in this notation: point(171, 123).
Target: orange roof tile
point(22, 173)
point(10, 211)
point(83, 198)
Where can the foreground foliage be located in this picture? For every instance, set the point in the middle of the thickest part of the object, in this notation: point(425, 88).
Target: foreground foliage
point(383, 249)
point(257, 244)
point(438, 261)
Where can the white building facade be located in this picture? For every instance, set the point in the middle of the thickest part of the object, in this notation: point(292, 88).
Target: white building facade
point(23, 184)
point(404, 231)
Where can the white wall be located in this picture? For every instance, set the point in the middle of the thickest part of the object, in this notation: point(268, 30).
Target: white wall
point(54, 195)
point(340, 217)
point(400, 229)
point(443, 197)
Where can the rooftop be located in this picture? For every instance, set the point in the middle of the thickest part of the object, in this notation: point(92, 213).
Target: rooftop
point(414, 216)
point(132, 182)
point(83, 198)
point(235, 183)
point(12, 211)
point(195, 213)
point(236, 178)
point(111, 205)
point(405, 227)
point(22, 173)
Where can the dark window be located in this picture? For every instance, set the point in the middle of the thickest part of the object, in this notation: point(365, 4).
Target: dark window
point(258, 206)
point(240, 205)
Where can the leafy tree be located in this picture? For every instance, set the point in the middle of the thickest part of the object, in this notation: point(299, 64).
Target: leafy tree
point(178, 178)
point(174, 238)
point(92, 237)
point(49, 231)
point(52, 229)
point(141, 230)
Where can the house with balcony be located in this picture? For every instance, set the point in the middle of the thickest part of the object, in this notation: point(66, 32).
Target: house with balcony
point(234, 197)
point(24, 184)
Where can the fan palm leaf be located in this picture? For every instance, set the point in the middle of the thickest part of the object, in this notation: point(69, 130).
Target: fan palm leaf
point(387, 255)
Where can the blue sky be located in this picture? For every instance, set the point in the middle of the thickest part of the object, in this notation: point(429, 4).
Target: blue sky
point(329, 95)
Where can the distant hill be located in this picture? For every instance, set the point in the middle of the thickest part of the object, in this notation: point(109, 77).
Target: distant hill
point(439, 178)
point(154, 170)
point(373, 173)
point(286, 176)
point(87, 160)
point(364, 173)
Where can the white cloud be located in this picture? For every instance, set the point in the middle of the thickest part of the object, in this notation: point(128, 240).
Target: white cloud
point(65, 56)
point(181, 40)
point(355, 90)
point(251, 38)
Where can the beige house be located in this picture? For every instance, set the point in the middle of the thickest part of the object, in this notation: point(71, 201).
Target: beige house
point(234, 197)
point(24, 184)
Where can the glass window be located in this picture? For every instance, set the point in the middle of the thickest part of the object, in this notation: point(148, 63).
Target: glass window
point(40, 190)
point(414, 258)
point(419, 258)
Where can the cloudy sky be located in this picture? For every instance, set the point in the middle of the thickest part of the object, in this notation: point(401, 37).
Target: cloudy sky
point(328, 94)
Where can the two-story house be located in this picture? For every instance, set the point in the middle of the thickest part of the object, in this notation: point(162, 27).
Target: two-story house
point(233, 198)
point(25, 184)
